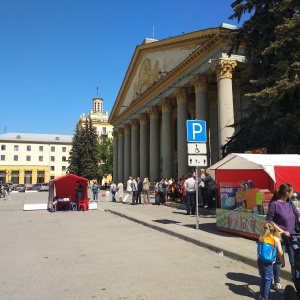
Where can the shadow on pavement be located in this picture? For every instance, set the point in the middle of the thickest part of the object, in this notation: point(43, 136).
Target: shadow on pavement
point(166, 221)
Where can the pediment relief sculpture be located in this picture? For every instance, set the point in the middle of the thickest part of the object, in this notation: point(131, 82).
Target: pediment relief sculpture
point(147, 76)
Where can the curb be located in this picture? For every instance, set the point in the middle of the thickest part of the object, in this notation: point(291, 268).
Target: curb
point(233, 255)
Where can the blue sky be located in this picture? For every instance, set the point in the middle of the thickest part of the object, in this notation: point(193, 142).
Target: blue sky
point(55, 53)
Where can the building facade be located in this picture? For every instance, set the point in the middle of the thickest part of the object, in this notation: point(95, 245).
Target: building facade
point(167, 83)
point(33, 158)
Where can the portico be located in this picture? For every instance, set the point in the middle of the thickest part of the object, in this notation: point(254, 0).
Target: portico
point(167, 83)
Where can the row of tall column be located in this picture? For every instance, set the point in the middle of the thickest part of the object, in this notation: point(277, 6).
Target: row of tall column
point(144, 148)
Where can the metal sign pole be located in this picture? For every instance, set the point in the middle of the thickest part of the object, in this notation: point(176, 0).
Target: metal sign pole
point(197, 208)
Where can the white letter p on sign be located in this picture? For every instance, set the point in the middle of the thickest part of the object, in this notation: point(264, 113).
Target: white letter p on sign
point(197, 128)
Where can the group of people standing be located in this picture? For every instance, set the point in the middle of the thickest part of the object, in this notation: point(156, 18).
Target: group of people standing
point(135, 187)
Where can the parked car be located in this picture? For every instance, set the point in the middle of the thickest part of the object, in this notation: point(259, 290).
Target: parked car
point(20, 187)
point(40, 187)
point(28, 186)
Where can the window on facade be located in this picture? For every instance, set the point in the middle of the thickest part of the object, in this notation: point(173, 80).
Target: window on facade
point(40, 158)
point(28, 158)
point(41, 148)
point(52, 158)
point(28, 148)
point(64, 149)
point(15, 157)
point(52, 149)
point(27, 177)
point(16, 147)
point(64, 158)
point(3, 147)
point(63, 168)
point(2, 157)
point(103, 130)
point(52, 168)
point(15, 177)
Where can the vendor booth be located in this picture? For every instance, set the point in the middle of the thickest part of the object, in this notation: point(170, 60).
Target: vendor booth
point(64, 189)
point(246, 183)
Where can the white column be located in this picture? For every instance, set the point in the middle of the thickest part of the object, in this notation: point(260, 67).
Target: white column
point(154, 155)
point(135, 148)
point(121, 155)
point(182, 116)
point(144, 146)
point(127, 151)
point(224, 69)
point(167, 139)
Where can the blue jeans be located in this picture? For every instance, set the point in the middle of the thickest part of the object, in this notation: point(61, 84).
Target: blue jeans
point(266, 276)
point(95, 194)
point(287, 247)
point(113, 196)
point(190, 202)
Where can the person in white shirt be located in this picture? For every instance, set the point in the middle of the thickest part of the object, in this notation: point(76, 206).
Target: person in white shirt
point(190, 187)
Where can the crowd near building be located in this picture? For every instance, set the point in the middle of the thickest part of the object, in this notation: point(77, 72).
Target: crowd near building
point(167, 83)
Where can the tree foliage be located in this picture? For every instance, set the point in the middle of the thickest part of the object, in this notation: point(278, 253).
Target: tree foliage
point(106, 156)
point(271, 42)
point(84, 156)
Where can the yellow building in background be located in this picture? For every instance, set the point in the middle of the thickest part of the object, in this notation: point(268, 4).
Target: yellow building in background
point(33, 158)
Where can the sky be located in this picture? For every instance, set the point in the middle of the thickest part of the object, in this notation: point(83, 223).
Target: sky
point(57, 55)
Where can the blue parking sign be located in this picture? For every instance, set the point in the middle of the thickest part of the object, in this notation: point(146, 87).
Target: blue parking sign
point(196, 131)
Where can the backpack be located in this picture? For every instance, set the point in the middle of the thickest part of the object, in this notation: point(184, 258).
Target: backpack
point(161, 188)
point(267, 249)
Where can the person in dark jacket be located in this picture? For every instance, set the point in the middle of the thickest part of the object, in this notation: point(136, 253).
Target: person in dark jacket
point(210, 190)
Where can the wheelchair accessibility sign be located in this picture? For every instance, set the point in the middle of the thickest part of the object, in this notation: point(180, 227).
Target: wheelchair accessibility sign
point(196, 131)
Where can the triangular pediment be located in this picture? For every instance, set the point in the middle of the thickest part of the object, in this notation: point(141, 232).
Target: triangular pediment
point(154, 64)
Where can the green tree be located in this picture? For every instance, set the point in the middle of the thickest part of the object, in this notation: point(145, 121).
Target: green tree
point(84, 155)
point(106, 156)
point(271, 43)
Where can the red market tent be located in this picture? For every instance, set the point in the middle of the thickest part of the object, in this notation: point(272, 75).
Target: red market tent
point(65, 187)
point(267, 171)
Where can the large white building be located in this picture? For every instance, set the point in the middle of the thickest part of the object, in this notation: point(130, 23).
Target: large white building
point(33, 158)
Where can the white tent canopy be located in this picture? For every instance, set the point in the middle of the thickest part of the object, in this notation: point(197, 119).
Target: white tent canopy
point(243, 161)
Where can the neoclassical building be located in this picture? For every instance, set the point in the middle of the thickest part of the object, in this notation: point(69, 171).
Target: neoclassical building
point(168, 82)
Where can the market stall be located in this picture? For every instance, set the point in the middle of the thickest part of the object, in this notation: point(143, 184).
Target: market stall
point(246, 183)
point(64, 189)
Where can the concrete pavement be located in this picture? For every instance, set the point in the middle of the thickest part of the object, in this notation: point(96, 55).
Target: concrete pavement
point(170, 219)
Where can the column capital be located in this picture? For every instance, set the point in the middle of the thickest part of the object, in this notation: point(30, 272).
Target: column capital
point(121, 132)
point(115, 134)
point(153, 112)
point(166, 105)
point(143, 119)
point(181, 95)
point(134, 124)
point(200, 83)
point(224, 68)
point(127, 128)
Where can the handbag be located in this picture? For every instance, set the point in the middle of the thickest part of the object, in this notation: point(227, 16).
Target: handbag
point(297, 223)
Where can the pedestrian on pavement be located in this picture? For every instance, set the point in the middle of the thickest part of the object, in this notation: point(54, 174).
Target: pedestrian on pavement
point(78, 193)
point(162, 191)
point(107, 193)
point(134, 189)
point(139, 190)
point(269, 234)
point(211, 190)
point(146, 187)
point(120, 191)
point(282, 213)
point(201, 188)
point(183, 191)
point(95, 190)
point(113, 190)
point(190, 187)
